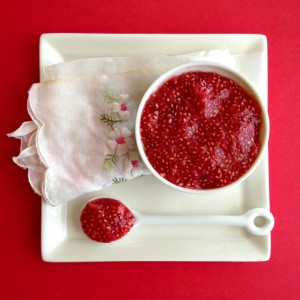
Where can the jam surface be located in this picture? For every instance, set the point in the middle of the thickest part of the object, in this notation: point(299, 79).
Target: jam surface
point(106, 220)
point(201, 130)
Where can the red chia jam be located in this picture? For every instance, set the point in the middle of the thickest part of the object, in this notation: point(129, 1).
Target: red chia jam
point(201, 130)
point(106, 220)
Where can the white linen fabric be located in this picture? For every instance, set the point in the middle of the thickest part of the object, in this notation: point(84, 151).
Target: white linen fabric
point(81, 134)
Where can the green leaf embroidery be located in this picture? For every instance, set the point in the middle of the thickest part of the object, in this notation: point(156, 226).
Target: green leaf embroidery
point(109, 120)
point(110, 162)
point(110, 96)
point(118, 180)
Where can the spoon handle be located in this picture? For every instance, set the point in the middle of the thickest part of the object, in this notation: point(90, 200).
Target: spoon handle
point(149, 219)
point(257, 221)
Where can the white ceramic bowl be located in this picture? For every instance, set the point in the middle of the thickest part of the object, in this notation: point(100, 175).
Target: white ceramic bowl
point(225, 72)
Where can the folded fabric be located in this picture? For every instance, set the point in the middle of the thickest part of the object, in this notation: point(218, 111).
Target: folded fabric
point(29, 157)
point(81, 136)
point(114, 65)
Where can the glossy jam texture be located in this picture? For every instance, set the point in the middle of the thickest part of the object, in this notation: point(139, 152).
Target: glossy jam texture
point(106, 220)
point(201, 130)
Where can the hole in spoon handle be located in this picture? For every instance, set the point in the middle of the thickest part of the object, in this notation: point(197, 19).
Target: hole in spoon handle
point(259, 221)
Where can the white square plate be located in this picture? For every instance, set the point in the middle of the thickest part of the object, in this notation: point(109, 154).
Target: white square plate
point(62, 238)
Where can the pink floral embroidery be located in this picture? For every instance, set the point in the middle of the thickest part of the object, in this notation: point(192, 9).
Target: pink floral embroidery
point(120, 141)
point(131, 164)
point(121, 144)
point(120, 107)
point(135, 163)
point(123, 107)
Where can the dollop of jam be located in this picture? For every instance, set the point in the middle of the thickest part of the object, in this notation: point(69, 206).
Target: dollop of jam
point(106, 220)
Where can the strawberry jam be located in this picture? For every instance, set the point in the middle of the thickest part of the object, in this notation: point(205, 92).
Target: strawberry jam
point(106, 220)
point(201, 130)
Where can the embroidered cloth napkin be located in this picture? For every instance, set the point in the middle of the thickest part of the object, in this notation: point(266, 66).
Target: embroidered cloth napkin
point(81, 134)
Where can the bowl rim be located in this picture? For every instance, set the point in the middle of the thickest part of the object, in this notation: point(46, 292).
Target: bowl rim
point(223, 70)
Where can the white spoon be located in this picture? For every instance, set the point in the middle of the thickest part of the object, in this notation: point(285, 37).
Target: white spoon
point(257, 221)
point(106, 220)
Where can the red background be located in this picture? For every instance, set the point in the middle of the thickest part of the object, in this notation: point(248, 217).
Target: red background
point(25, 276)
